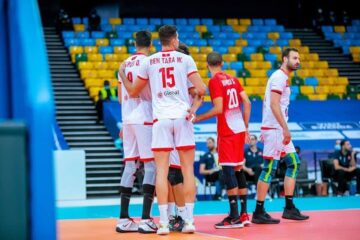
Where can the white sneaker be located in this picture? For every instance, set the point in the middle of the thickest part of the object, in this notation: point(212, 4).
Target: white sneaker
point(126, 225)
point(163, 228)
point(147, 226)
point(189, 227)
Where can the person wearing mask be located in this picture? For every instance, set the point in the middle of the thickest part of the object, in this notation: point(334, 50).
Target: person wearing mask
point(253, 160)
point(105, 94)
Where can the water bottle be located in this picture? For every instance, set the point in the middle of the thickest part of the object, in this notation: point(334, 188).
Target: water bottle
point(352, 187)
point(301, 192)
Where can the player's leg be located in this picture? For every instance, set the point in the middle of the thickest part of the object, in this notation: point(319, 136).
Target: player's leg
point(171, 202)
point(272, 150)
point(125, 223)
point(292, 168)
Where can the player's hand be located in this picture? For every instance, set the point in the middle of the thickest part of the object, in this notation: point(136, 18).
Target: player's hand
point(351, 168)
point(247, 137)
point(261, 138)
point(287, 136)
point(121, 134)
point(191, 116)
point(251, 172)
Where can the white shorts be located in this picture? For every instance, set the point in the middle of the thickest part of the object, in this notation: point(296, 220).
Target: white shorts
point(168, 133)
point(273, 146)
point(174, 159)
point(137, 142)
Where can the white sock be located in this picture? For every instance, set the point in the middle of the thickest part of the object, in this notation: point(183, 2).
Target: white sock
point(181, 211)
point(163, 213)
point(190, 211)
point(171, 209)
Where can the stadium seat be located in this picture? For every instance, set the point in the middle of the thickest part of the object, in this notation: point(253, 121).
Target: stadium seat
point(206, 50)
point(200, 57)
point(120, 49)
point(79, 27)
point(257, 57)
point(235, 49)
point(317, 97)
point(245, 21)
point(311, 81)
point(326, 81)
point(338, 89)
point(321, 64)
point(258, 73)
point(306, 90)
point(339, 29)
point(88, 74)
point(240, 28)
point(76, 49)
point(102, 42)
point(322, 89)
point(341, 81)
point(115, 21)
point(95, 57)
point(101, 65)
point(85, 65)
point(241, 42)
point(236, 65)
point(273, 35)
point(331, 73)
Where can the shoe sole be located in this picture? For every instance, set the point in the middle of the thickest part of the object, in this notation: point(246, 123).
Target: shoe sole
point(119, 230)
point(163, 233)
point(246, 223)
point(230, 226)
point(262, 222)
point(146, 232)
point(188, 231)
point(295, 219)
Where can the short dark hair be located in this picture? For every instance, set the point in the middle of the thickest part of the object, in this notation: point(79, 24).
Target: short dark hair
point(183, 48)
point(253, 135)
point(342, 143)
point(106, 82)
point(214, 59)
point(166, 33)
point(286, 52)
point(211, 138)
point(143, 38)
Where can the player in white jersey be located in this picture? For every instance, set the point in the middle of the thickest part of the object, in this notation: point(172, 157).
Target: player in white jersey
point(137, 134)
point(277, 140)
point(168, 72)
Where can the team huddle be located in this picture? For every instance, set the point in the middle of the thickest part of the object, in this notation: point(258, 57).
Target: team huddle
point(160, 94)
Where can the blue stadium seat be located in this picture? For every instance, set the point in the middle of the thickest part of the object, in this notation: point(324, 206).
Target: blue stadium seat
point(155, 21)
point(181, 21)
point(249, 50)
point(131, 49)
point(233, 35)
point(286, 35)
point(186, 28)
point(295, 89)
point(106, 27)
point(332, 36)
point(268, 42)
point(85, 34)
point(260, 35)
point(213, 28)
point(117, 42)
point(253, 29)
point(293, 96)
point(189, 42)
point(207, 21)
point(220, 35)
point(85, 20)
point(346, 50)
point(121, 28)
point(255, 43)
point(328, 29)
point(87, 42)
point(194, 35)
point(227, 28)
point(106, 49)
point(221, 50)
point(236, 65)
point(168, 21)
point(351, 29)
point(134, 28)
point(248, 35)
point(270, 22)
point(356, 22)
point(282, 42)
point(125, 35)
point(265, 28)
point(201, 42)
point(98, 34)
point(278, 28)
point(311, 81)
point(214, 42)
point(76, 20)
point(269, 72)
point(349, 35)
point(225, 66)
point(68, 34)
point(128, 21)
point(257, 22)
point(194, 21)
point(270, 57)
point(71, 42)
point(227, 42)
point(142, 21)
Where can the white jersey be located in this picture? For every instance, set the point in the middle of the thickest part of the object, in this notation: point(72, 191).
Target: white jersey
point(167, 73)
point(279, 83)
point(135, 110)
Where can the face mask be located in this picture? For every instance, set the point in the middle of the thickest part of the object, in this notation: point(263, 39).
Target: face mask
point(106, 86)
point(337, 147)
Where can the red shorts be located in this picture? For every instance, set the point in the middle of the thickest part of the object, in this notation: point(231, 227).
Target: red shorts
point(231, 149)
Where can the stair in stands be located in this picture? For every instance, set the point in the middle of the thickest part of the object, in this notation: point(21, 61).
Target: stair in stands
point(328, 52)
point(76, 116)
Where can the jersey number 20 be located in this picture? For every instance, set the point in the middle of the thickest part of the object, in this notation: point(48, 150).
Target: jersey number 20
point(233, 98)
point(167, 75)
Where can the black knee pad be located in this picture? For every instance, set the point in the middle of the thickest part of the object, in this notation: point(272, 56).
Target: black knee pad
point(229, 177)
point(241, 179)
point(175, 176)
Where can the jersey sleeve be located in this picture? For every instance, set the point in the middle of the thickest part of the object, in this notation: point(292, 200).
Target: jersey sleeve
point(190, 66)
point(189, 84)
point(143, 73)
point(278, 85)
point(215, 89)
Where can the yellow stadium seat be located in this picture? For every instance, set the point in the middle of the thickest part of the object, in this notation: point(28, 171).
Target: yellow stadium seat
point(230, 72)
point(251, 81)
point(241, 81)
point(153, 49)
point(341, 81)
point(94, 91)
point(230, 57)
point(303, 73)
point(273, 35)
point(199, 57)
point(94, 57)
point(326, 81)
point(154, 35)
point(114, 82)
point(258, 73)
point(101, 65)
point(206, 81)
point(76, 49)
point(259, 90)
point(307, 65)
point(203, 73)
point(85, 65)
point(303, 49)
point(312, 57)
point(232, 21)
point(317, 97)
point(206, 50)
point(115, 21)
point(207, 98)
point(358, 96)
point(120, 49)
point(355, 50)
point(235, 49)
point(275, 49)
point(250, 65)
point(250, 90)
point(306, 90)
point(264, 65)
point(102, 42)
point(112, 57)
point(106, 74)
point(113, 65)
point(93, 82)
point(339, 29)
point(88, 74)
point(241, 42)
point(201, 65)
point(91, 49)
point(245, 21)
point(257, 57)
point(322, 89)
point(194, 49)
point(316, 73)
point(338, 89)
point(321, 64)
point(123, 56)
point(331, 72)
point(201, 28)
point(79, 27)
point(295, 42)
point(356, 57)
point(240, 28)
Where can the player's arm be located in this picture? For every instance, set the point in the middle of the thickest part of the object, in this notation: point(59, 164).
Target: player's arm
point(352, 161)
point(197, 101)
point(247, 108)
point(203, 171)
point(276, 110)
point(197, 82)
point(134, 88)
point(119, 92)
point(215, 110)
point(337, 166)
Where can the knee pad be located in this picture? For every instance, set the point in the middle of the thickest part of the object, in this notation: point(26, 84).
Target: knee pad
point(268, 172)
point(292, 161)
point(150, 173)
point(229, 177)
point(128, 175)
point(175, 176)
point(241, 179)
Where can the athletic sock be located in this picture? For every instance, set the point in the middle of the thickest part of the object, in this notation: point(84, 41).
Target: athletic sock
point(234, 211)
point(171, 209)
point(243, 203)
point(148, 200)
point(163, 213)
point(125, 201)
point(259, 207)
point(289, 202)
point(189, 211)
point(181, 211)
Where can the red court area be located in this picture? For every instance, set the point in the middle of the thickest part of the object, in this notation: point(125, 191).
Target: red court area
point(323, 225)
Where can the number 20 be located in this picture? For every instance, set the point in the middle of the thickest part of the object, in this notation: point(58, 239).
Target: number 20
point(233, 98)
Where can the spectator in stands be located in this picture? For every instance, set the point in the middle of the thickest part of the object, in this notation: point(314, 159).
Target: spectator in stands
point(63, 21)
point(337, 148)
point(332, 17)
point(345, 167)
point(253, 161)
point(345, 19)
point(94, 21)
point(105, 94)
point(210, 169)
point(319, 19)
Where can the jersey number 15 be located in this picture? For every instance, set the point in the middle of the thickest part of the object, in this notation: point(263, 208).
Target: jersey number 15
point(167, 75)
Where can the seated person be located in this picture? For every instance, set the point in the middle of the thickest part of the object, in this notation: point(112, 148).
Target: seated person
point(345, 167)
point(253, 161)
point(210, 168)
point(105, 94)
point(94, 20)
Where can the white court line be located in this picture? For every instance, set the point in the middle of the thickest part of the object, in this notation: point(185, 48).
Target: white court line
point(219, 236)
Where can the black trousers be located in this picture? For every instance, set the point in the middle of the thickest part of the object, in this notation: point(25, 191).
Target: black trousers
point(343, 177)
point(257, 170)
